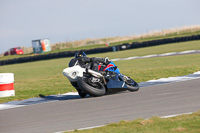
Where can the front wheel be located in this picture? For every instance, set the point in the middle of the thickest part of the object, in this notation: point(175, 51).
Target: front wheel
point(93, 89)
point(131, 84)
point(81, 93)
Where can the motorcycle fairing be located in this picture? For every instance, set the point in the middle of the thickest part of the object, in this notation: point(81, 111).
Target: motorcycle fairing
point(116, 82)
point(112, 67)
point(73, 72)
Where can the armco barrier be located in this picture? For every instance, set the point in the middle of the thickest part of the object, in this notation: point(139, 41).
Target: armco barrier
point(123, 46)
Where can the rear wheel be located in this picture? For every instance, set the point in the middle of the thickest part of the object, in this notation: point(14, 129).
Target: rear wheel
point(131, 84)
point(92, 88)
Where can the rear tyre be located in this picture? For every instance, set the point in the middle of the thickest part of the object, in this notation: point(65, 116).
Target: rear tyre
point(93, 89)
point(131, 84)
point(133, 88)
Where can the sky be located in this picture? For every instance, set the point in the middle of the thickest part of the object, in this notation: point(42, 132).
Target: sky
point(22, 21)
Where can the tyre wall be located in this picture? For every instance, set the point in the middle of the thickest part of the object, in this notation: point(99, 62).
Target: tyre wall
point(123, 46)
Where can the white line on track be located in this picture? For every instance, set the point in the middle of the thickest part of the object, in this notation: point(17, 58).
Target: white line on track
point(158, 55)
point(169, 116)
point(167, 54)
point(81, 128)
point(189, 51)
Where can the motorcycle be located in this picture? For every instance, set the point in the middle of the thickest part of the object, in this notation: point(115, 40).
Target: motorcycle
point(95, 77)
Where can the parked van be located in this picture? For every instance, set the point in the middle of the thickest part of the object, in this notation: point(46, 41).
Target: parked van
point(14, 51)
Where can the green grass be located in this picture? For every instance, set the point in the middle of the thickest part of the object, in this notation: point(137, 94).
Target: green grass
point(155, 68)
point(172, 47)
point(42, 77)
point(184, 124)
point(45, 77)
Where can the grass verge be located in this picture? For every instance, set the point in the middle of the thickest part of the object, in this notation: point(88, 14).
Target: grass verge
point(183, 123)
point(45, 77)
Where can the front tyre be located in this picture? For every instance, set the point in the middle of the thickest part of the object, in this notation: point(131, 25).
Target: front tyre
point(81, 93)
point(72, 62)
point(93, 89)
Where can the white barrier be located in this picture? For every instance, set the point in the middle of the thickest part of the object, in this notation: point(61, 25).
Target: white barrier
point(7, 85)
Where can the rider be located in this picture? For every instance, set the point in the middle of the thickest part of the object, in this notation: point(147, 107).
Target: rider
point(96, 63)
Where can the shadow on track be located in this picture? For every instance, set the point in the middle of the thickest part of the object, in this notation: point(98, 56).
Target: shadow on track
point(43, 99)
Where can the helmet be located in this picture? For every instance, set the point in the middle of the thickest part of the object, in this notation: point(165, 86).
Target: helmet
point(80, 54)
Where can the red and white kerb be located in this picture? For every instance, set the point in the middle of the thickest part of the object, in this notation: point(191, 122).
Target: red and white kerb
point(7, 84)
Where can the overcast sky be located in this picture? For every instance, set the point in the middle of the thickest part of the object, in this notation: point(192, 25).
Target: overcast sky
point(22, 21)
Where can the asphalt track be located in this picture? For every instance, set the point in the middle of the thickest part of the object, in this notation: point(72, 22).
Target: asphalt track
point(158, 100)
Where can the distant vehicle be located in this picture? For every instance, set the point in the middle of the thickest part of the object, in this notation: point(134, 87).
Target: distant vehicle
point(14, 51)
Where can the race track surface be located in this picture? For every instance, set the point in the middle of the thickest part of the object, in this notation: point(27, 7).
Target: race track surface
point(158, 100)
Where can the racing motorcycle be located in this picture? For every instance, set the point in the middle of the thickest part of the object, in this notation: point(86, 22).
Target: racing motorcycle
point(97, 76)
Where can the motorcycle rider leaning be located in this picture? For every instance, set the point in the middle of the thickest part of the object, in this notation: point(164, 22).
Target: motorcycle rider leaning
point(96, 64)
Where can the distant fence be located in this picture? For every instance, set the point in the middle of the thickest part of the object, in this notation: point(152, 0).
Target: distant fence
point(123, 46)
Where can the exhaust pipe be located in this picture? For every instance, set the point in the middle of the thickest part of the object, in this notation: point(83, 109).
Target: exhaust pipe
point(93, 72)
